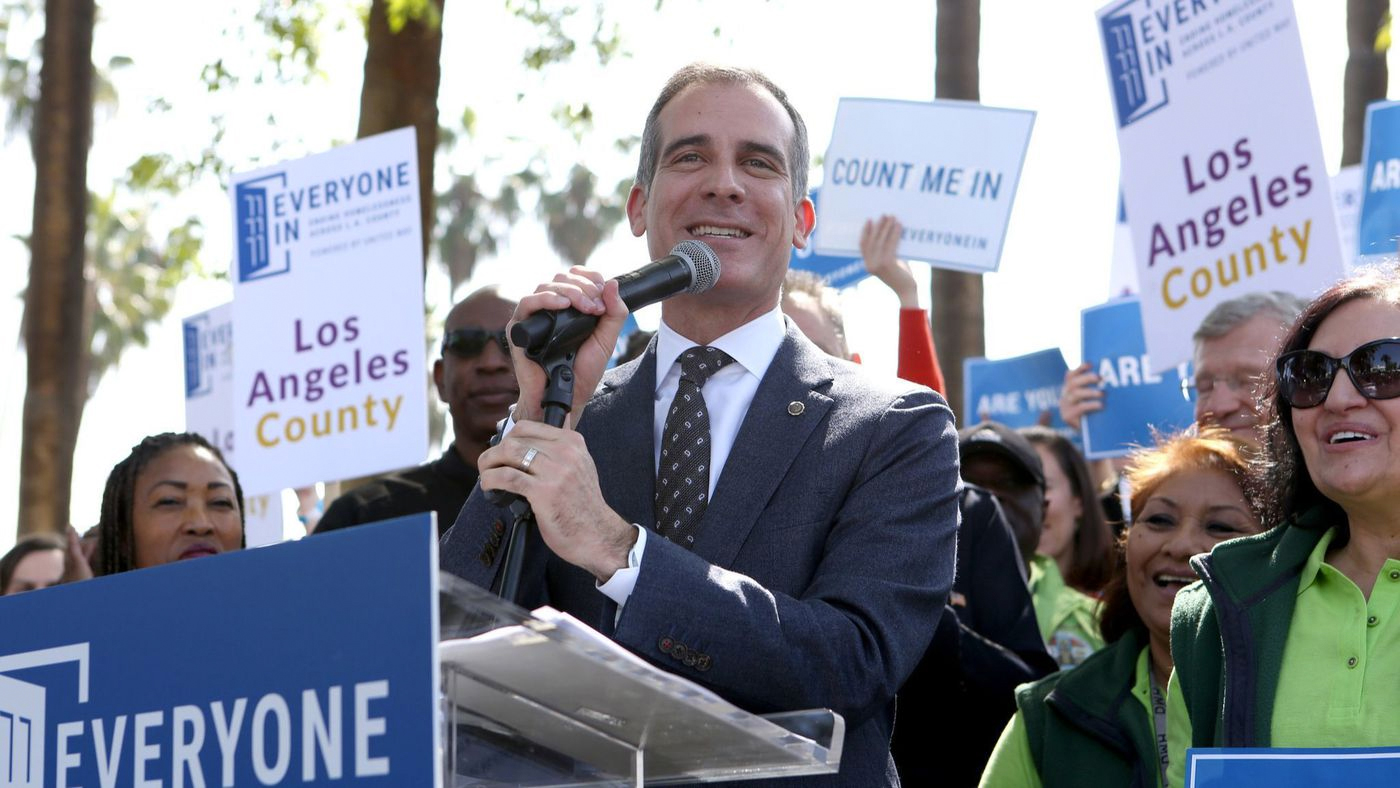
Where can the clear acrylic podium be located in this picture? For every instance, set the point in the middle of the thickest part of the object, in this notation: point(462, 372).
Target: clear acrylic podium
point(542, 700)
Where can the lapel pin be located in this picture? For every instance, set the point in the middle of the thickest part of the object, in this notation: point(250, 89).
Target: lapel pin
point(795, 408)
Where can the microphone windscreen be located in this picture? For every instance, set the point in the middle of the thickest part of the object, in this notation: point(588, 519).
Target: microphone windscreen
point(703, 264)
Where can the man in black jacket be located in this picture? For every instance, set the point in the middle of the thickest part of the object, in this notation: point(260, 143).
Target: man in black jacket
point(955, 704)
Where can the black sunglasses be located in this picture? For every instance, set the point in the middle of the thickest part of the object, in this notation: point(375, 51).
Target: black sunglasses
point(469, 342)
point(1305, 376)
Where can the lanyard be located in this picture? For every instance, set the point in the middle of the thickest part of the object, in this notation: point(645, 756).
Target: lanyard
point(1159, 722)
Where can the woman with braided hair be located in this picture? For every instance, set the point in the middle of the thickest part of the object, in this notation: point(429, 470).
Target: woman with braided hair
point(173, 498)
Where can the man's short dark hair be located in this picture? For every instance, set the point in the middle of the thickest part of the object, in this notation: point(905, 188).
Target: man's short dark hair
point(799, 151)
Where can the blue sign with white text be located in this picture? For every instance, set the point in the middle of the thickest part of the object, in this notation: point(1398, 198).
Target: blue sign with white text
point(1137, 399)
point(306, 663)
point(1018, 392)
point(1379, 232)
point(1291, 768)
point(835, 270)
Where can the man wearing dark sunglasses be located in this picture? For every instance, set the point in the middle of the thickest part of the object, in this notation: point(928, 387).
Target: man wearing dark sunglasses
point(474, 378)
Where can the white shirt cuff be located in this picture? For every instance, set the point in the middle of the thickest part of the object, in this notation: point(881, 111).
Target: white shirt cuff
point(619, 586)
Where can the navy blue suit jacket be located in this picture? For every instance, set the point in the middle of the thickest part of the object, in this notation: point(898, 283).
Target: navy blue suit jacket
point(823, 561)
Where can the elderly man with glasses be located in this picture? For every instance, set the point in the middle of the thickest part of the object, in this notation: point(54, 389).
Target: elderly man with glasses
point(475, 380)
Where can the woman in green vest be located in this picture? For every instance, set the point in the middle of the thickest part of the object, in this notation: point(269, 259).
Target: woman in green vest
point(1293, 637)
point(1103, 723)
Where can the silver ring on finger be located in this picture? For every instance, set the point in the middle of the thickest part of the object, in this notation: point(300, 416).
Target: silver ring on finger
point(530, 455)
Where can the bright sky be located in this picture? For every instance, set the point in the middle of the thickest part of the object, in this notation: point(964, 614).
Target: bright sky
point(1039, 56)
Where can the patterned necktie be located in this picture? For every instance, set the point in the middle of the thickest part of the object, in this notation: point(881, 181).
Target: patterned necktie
point(683, 478)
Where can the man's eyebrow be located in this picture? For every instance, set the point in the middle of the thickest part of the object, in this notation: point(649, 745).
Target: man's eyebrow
point(765, 149)
point(694, 140)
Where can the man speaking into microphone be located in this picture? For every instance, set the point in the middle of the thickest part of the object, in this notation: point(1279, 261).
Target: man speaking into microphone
point(734, 505)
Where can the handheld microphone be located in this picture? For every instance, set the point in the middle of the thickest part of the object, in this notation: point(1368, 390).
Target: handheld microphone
point(691, 267)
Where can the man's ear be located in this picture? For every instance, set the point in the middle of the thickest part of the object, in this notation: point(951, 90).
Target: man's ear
point(806, 221)
point(637, 210)
point(437, 380)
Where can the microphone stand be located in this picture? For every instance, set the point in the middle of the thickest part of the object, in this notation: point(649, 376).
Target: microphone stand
point(556, 357)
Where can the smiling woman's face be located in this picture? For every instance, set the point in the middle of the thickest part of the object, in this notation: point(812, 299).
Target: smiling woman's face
point(1187, 514)
point(184, 507)
point(1351, 444)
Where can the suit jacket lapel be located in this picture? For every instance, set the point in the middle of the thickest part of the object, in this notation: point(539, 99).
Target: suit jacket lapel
point(619, 430)
point(769, 439)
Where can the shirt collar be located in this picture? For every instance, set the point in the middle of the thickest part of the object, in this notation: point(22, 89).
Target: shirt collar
point(753, 345)
point(1315, 560)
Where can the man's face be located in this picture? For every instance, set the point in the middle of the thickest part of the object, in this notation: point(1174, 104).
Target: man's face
point(1021, 498)
point(479, 387)
point(1228, 370)
point(722, 177)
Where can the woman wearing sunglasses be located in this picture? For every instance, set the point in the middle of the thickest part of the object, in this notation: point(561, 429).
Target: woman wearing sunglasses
point(1293, 637)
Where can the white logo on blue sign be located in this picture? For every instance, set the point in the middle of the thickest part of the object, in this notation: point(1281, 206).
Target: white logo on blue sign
point(262, 241)
point(1137, 60)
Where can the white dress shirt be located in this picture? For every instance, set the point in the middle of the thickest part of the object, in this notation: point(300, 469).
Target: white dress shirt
point(728, 394)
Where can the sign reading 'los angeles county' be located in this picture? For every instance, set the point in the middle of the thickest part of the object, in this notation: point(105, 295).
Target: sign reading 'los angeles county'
point(328, 311)
point(1222, 166)
point(947, 169)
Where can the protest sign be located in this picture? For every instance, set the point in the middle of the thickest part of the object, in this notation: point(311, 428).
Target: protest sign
point(1018, 392)
point(329, 377)
point(208, 346)
point(837, 271)
point(1122, 269)
point(208, 670)
point(1136, 400)
point(1346, 199)
point(947, 169)
point(1262, 767)
point(1222, 165)
point(1379, 231)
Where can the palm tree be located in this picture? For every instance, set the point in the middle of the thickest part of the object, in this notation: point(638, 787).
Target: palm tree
point(56, 326)
point(958, 320)
point(1366, 73)
point(402, 74)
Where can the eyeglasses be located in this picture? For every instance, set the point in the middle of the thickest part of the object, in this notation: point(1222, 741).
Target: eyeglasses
point(469, 342)
point(1305, 376)
point(1205, 385)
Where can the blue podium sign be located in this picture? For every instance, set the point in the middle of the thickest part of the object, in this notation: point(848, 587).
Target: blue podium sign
point(1379, 232)
point(1137, 399)
point(1291, 768)
point(1018, 392)
point(307, 663)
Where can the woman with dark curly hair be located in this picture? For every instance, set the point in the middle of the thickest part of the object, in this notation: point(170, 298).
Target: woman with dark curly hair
point(1291, 640)
point(1103, 721)
point(171, 499)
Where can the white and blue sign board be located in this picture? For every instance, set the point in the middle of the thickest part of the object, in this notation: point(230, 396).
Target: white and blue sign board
point(836, 270)
point(1136, 400)
point(208, 352)
point(1222, 164)
point(329, 368)
point(1379, 233)
point(1291, 768)
point(307, 663)
point(1346, 198)
point(947, 169)
point(1018, 392)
